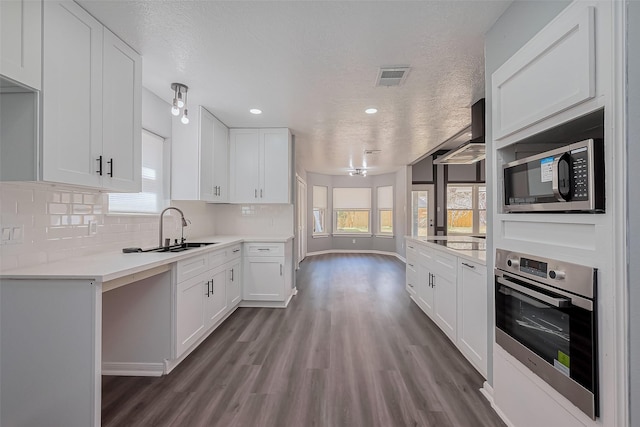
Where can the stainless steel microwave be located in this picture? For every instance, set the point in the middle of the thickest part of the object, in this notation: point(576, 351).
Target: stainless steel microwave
point(567, 179)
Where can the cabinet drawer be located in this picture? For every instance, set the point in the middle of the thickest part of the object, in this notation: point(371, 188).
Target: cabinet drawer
point(264, 249)
point(191, 267)
point(234, 252)
point(217, 258)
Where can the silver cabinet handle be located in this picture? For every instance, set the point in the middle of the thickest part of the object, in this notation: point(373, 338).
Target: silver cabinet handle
point(208, 288)
point(281, 269)
point(410, 285)
point(255, 194)
point(236, 250)
point(410, 265)
point(232, 274)
point(99, 160)
point(110, 163)
point(263, 249)
point(410, 246)
point(261, 193)
point(468, 265)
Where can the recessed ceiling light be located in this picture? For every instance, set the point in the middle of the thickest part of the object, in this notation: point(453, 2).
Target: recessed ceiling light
point(371, 110)
point(255, 111)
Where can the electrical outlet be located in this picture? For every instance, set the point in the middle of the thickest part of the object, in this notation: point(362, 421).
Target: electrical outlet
point(12, 234)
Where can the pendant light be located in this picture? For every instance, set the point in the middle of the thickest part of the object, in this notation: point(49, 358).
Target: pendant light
point(180, 101)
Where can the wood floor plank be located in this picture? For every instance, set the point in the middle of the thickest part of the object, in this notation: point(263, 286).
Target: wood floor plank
point(351, 349)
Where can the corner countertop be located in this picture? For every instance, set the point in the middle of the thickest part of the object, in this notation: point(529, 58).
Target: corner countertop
point(479, 256)
point(106, 266)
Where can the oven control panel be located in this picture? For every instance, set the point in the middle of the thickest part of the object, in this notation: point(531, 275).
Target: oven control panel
point(574, 278)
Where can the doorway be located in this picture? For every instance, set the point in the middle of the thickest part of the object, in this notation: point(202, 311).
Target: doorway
point(301, 231)
point(422, 210)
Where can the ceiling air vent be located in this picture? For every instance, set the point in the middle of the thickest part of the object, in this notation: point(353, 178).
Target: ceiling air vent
point(392, 76)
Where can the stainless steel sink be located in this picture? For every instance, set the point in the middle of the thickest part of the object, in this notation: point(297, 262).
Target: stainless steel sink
point(180, 247)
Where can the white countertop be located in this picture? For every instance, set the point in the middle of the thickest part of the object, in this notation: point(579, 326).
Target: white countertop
point(106, 266)
point(479, 256)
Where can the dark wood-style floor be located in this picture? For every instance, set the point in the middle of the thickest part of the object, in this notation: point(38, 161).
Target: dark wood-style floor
point(351, 350)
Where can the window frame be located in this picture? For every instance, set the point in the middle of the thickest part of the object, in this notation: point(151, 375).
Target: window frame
point(356, 207)
point(316, 206)
point(475, 209)
point(164, 194)
point(380, 210)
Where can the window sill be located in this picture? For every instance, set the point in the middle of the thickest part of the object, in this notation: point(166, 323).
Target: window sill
point(385, 236)
point(320, 236)
point(352, 235)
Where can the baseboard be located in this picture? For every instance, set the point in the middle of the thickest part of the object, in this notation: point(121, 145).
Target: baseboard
point(358, 251)
point(487, 392)
point(133, 369)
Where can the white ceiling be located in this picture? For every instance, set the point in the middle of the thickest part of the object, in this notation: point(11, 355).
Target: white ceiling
point(311, 66)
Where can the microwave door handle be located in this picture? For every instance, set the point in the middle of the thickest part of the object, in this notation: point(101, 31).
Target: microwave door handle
point(555, 178)
point(556, 302)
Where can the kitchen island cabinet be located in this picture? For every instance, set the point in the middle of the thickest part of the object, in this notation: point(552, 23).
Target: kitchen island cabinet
point(450, 286)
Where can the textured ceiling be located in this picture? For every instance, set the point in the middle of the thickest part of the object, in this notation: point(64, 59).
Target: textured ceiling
point(311, 66)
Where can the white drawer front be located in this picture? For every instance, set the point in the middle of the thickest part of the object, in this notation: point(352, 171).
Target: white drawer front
point(218, 258)
point(234, 252)
point(264, 249)
point(191, 267)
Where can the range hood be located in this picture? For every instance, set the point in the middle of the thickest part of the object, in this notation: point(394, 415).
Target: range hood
point(473, 150)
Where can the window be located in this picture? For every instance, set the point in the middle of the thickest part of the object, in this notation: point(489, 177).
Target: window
point(152, 197)
point(466, 209)
point(352, 211)
point(319, 210)
point(385, 210)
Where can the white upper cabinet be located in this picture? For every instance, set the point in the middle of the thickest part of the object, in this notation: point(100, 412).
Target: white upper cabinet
point(260, 166)
point(91, 132)
point(121, 115)
point(21, 41)
point(200, 159)
point(555, 71)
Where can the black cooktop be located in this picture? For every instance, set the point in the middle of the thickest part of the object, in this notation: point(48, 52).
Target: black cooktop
point(463, 245)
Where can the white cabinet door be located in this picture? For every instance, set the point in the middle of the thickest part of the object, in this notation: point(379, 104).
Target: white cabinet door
point(21, 41)
point(234, 284)
point(121, 112)
point(276, 168)
point(445, 269)
point(190, 318)
point(72, 95)
point(445, 305)
point(425, 289)
point(245, 165)
point(263, 278)
point(220, 165)
point(207, 191)
point(472, 313)
point(215, 303)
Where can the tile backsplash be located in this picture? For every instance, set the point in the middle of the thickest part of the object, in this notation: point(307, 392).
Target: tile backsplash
point(55, 224)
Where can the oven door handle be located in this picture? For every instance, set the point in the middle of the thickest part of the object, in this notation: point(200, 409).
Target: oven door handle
point(556, 302)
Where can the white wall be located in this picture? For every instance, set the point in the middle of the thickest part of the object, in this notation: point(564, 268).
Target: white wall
point(633, 154)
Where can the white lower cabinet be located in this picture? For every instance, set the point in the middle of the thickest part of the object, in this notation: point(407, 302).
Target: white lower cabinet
point(452, 291)
point(472, 313)
point(208, 289)
point(267, 273)
point(190, 311)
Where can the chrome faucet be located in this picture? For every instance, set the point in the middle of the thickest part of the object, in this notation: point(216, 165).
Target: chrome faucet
point(184, 224)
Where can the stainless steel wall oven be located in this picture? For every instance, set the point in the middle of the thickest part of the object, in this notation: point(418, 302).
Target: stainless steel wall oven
point(546, 318)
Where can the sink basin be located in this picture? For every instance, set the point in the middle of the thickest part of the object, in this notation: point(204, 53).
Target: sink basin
point(180, 247)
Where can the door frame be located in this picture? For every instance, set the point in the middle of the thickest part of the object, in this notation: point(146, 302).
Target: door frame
point(431, 207)
point(301, 222)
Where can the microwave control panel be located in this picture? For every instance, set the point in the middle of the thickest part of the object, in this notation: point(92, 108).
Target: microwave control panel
point(580, 166)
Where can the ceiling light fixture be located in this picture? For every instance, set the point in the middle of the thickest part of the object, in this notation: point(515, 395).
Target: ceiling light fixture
point(358, 172)
point(371, 110)
point(255, 111)
point(180, 101)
